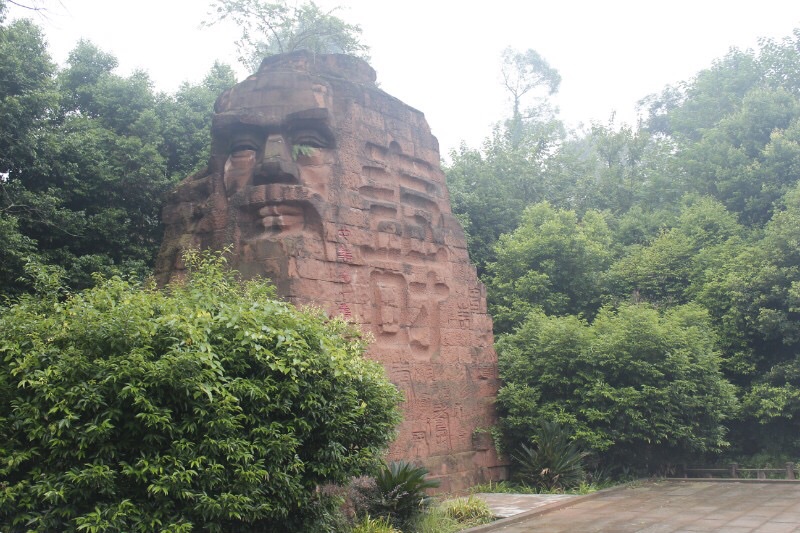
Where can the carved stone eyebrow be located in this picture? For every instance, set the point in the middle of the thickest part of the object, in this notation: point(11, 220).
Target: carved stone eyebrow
point(298, 127)
point(318, 114)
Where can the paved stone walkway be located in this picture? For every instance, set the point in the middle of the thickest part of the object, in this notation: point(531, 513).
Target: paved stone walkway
point(666, 507)
point(506, 505)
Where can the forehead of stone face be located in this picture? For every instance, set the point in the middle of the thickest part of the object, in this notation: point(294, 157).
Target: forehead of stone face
point(272, 99)
point(290, 85)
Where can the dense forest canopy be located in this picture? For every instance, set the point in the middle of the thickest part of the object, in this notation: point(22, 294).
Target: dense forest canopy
point(697, 205)
point(87, 155)
point(677, 237)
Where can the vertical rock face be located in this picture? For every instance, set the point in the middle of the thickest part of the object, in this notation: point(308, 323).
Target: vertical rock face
point(332, 188)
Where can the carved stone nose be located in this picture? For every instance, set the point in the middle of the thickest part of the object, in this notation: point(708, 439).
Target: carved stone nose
point(277, 164)
point(276, 149)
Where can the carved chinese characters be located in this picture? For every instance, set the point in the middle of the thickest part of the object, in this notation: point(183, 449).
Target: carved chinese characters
point(332, 188)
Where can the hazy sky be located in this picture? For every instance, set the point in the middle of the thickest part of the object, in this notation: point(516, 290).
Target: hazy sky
point(443, 57)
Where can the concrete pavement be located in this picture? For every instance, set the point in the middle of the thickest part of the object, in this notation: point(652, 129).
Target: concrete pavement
point(662, 507)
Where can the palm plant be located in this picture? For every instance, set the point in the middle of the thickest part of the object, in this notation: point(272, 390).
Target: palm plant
point(554, 461)
point(401, 492)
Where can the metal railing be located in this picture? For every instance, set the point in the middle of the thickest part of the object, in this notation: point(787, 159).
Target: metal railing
point(734, 471)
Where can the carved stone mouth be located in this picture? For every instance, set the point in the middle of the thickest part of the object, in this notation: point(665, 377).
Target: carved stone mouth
point(279, 207)
point(275, 193)
point(282, 217)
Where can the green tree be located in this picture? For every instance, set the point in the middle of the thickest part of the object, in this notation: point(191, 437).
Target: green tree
point(186, 119)
point(27, 96)
point(750, 289)
point(729, 160)
point(687, 110)
point(638, 387)
point(101, 161)
point(664, 270)
point(639, 226)
point(27, 92)
point(86, 157)
point(553, 261)
point(525, 73)
point(87, 189)
point(206, 406)
point(490, 188)
point(270, 28)
point(17, 249)
point(617, 168)
point(724, 122)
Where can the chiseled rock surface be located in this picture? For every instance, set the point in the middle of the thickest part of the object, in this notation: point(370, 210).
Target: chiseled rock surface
point(331, 187)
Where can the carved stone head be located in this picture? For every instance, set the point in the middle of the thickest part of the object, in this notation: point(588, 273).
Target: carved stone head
point(321, 181)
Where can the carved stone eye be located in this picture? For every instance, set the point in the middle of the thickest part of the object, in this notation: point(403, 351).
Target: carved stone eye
point(310, 138)
point(239, 148)
point(244, 142)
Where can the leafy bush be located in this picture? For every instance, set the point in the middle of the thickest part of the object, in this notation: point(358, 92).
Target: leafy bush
point(205, 406)
point(554, 462)
point(398, 492)
point(360, 496)
point(325, 513)
point(639, 387)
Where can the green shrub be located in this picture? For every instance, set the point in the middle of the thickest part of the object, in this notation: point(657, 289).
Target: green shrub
point(451, 516)
point(504, 487)
point(470, 511)
point(638, 386)
point(374, 525)
point(325, 513)
point(361, 497)
point(434, 520)
point(554, 462)
point(208, 406)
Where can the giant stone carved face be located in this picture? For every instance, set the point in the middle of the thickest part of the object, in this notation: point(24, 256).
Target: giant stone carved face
point(331, 187)
point(274, 142)
point(279, 156)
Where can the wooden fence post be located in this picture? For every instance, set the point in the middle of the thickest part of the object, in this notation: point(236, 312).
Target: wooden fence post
point(734, 470)
point(790, 470)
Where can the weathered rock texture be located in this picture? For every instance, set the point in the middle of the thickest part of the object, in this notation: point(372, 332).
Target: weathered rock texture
point(332, 188)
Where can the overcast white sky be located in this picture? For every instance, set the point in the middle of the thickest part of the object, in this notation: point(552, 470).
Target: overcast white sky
point(443, 57)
